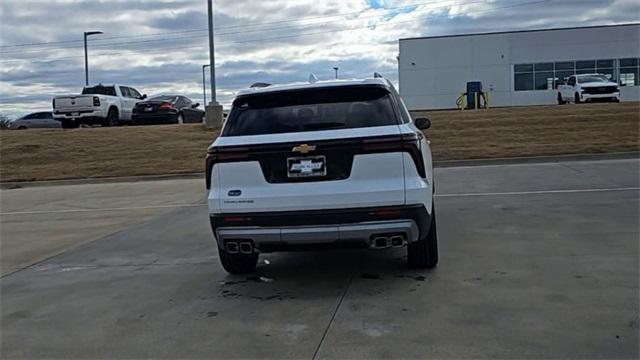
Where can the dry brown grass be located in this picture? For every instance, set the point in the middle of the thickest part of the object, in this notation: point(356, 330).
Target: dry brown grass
point(173, 149)
point(534, 131)
point(102, 152)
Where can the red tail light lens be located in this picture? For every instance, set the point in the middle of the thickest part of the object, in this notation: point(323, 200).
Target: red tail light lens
point(165, 105)
point(223, 154)
point(409, 143)
point(96, 101)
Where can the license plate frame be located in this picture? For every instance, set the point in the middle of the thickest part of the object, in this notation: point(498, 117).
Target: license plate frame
point(306, 166)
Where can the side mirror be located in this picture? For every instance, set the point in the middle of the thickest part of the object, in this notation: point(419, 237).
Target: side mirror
point(422, 123)
point(195, 105)
point(144, 96)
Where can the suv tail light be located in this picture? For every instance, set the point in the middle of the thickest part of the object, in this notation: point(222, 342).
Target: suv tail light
point(96, 101)
point(409, 143)
point(222, 154)
point(165, 105)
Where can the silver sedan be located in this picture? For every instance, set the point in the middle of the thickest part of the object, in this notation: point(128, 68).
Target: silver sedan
point(43, 119)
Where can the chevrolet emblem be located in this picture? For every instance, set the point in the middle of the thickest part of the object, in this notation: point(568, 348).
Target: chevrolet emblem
point(303, 148)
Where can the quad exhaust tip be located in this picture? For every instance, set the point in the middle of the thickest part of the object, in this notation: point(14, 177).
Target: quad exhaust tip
point(384, 241)
point(242, 247)
point(246, 247)
point(397, 241)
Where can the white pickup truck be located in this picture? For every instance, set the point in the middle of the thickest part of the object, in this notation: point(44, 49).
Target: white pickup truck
point(587, 87)
point(106, 105)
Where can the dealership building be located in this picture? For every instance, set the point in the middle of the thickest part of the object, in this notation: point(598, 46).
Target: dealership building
point(517, 67)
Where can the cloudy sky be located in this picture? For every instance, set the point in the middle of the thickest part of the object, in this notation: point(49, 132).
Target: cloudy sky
point(159, 46)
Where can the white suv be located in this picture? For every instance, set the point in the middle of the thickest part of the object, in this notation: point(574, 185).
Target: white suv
point(321, 165)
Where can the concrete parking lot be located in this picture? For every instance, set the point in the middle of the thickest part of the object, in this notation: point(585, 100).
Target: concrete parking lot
point(537, 261)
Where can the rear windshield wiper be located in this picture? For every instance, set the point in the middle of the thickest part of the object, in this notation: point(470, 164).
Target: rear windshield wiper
point(322, 125)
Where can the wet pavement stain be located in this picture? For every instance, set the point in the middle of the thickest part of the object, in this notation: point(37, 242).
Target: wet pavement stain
point(237, 288)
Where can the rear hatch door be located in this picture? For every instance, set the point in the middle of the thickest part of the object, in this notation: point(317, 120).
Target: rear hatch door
point(277, 168)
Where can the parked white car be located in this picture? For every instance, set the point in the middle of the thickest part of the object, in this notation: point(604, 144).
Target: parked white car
point(321, 165)
point(587, 87)
point(42, 119)
point(106, 105)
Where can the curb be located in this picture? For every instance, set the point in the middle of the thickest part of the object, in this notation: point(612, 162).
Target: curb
point(538, 159)
point(437, 164)
point(106, 180)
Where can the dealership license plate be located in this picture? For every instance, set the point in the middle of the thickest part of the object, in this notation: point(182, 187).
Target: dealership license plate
point(75, 113)
point(306, 166)
point(148, 109)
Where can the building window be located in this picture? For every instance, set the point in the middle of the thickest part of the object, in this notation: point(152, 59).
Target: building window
point(523, 68)
point(544, 80)
point(629, 72)
point(523, 77)
point(546, 76)
point(607, 68)
point(524, 81)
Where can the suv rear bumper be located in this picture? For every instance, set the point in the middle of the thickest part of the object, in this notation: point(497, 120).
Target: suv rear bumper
point(377, 227)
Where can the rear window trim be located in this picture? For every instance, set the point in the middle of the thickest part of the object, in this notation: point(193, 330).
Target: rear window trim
point(392, 99)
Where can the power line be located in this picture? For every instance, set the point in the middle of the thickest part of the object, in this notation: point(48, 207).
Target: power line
point(232, 26)
point(293, 27)
point(248, 41)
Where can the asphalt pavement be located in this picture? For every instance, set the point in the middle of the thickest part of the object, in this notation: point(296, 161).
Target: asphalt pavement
point(536, 261)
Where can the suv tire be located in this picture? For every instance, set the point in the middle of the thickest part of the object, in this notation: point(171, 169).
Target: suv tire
point(238, 263)
point(577, 98)
point(423, 254)
point(561, 100)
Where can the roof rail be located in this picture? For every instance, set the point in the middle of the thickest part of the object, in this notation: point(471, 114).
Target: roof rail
point(377, 75)
point(259, 85)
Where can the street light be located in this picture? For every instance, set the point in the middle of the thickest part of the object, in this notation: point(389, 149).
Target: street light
point(204, 84)
point(336, 69)
point(86, 59)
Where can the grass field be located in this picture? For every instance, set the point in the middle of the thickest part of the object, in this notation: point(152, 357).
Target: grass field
point(455, 135)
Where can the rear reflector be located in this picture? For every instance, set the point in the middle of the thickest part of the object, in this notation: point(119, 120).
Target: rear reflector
point(386, 212)
point(236, 218)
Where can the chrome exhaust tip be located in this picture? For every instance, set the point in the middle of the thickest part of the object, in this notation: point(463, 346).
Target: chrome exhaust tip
point(232, 247)
point(246, 247)
point(381, 242)
point(397, 241)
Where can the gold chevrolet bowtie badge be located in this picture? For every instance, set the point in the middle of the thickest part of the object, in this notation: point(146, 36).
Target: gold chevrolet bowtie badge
point(303, 148)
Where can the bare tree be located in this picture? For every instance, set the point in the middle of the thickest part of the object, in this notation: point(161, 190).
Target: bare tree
point(4, 119)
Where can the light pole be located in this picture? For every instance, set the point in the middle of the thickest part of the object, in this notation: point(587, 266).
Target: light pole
point(336, 69)
point(211, 54)
point(204, 84)
point(86, 58)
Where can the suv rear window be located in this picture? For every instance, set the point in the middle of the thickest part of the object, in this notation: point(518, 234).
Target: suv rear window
point(311, 109)
point(99, 90)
